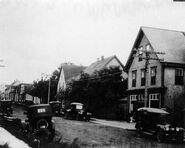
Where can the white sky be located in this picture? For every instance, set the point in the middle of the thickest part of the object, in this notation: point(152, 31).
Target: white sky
point(38, 35)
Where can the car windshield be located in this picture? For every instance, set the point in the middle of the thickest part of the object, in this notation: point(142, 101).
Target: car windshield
point(163, 119)
point(78, 106)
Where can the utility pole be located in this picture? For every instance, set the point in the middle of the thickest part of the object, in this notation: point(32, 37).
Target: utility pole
point(147, 58)
point(1, 65)
point(49, 89)
point(146, 79)
point(48, 85)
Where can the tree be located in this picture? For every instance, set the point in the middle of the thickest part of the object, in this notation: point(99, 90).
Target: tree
point(40, 88)
point(100, 91)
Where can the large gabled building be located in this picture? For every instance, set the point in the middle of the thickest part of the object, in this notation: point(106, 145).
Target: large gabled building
point(103, 63)
point(165, 78)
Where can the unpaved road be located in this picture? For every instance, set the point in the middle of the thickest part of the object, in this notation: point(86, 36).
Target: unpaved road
point(79, 134)
point(96, 135)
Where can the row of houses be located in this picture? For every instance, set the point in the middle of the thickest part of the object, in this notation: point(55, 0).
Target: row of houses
point(160, 78)
point(154, 69)
point(18, 92)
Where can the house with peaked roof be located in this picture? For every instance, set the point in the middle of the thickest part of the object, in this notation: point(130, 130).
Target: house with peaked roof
point(103, 63)
point(165, 77)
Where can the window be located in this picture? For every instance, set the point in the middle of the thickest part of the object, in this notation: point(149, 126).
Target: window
point(143, 77)
point(154, 96)
point(154, 100)
point(134, 78)
point(141, 97)
point(179, 74)
point(140, 53)
point(133, 98)
point(148, 47)
point(153, 75)
point(133, 102)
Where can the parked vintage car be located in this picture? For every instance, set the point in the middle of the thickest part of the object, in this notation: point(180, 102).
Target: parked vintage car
point(156, 122)
point(56, 107)
point(39, 125)
point(6, 107)
point(28, 103)
point(77, 111)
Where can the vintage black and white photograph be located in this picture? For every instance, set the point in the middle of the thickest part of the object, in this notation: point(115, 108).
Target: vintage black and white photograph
point(92, 74)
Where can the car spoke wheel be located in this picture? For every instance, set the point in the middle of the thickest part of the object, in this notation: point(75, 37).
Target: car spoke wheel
point(139, 131)
point(77, 117)
point(160, 137)
point(66, 116)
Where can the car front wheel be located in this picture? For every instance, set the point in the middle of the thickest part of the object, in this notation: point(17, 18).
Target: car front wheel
point(139, 131)
point(160, 136)
point(66, 116)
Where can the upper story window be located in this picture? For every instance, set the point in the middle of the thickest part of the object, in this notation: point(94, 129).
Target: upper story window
point(140, 53)
point(134, 74)
point(143, 77)
point(153, 75)
point(179, 74)
point(148, 47)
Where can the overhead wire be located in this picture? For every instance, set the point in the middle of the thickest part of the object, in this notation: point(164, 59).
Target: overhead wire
point(99, 77)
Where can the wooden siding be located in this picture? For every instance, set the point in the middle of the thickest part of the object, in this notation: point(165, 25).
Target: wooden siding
point(138, 65)
point(173, 92)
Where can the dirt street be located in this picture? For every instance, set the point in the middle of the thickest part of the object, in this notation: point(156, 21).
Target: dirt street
point(81, 134)
point(95, 135)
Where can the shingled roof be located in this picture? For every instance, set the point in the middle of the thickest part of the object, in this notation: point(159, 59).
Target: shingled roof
point(101, 64)
point(169, 41)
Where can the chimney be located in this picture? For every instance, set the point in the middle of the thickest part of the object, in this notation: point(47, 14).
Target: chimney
point(102, 58)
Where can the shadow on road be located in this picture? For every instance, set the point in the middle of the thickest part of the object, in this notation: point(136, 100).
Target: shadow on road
point(14, 127)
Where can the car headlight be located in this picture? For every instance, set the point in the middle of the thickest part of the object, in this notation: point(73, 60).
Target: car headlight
point(80, 112)
point(177, 129)
point(167, 128)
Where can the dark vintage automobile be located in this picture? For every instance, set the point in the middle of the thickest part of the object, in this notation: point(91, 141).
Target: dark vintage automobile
point(6, 107)
point(56, 107)
point(156, 122)
point(77, 111)
point(27, 103)
point(39, 125)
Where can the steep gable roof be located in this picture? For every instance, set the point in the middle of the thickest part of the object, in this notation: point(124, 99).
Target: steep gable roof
point(171, 42)
point(99, 65)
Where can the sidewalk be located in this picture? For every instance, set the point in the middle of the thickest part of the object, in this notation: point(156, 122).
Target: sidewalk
point(12, 141)
point(118, 124)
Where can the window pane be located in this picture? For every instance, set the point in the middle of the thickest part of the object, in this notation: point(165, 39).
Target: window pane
point(140, 50)
point(147, 47)
point(153, 71)
point(142, 73)
point(134, 75)
point(179, 75)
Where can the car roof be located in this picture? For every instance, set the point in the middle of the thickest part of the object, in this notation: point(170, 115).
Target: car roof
point(76, 103)
point(39, 105)
point(153, 110)
point(55, 102)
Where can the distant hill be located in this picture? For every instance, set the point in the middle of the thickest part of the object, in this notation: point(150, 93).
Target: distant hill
point(71, 70)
